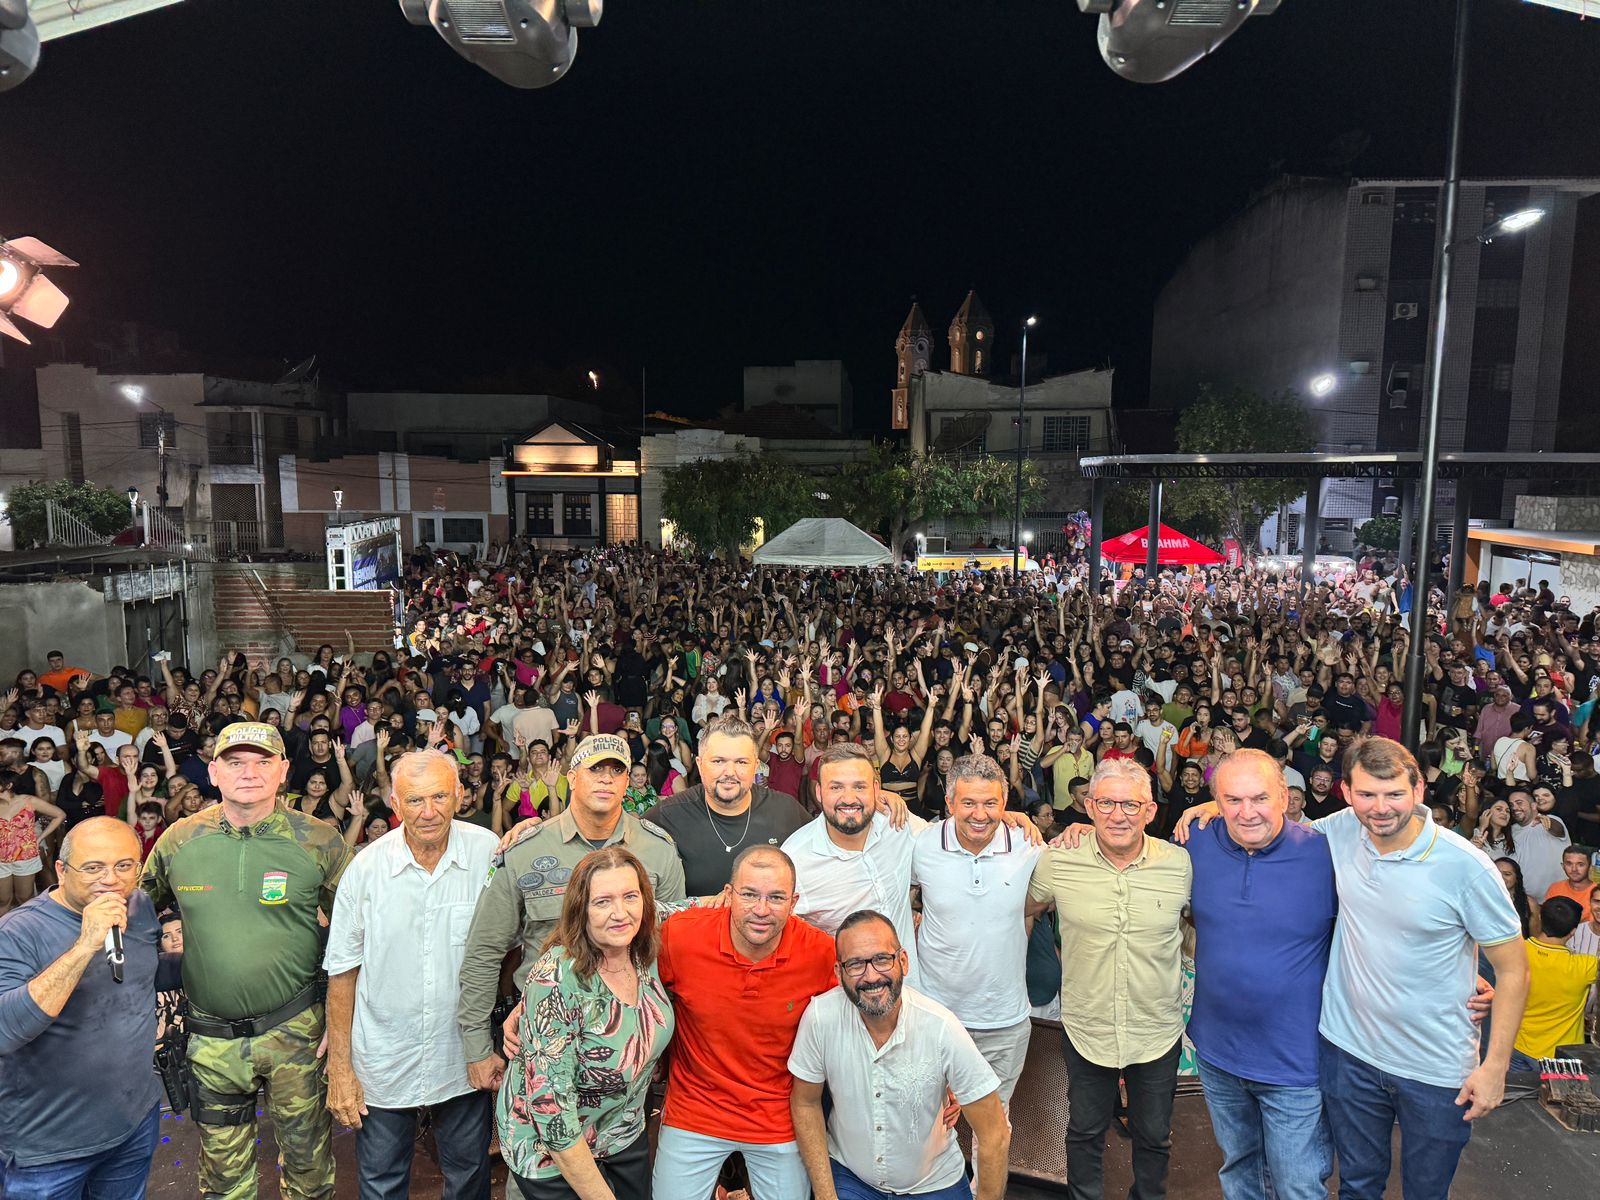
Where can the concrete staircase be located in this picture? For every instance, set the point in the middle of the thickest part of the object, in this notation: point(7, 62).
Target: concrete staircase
point(297, 614)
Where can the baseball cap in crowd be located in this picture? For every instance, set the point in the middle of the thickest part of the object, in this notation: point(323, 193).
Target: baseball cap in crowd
point(1021, 664)
point(599, 747)
point(256, 735)
point(538, 648)
point(427, 714)
point(971, 647)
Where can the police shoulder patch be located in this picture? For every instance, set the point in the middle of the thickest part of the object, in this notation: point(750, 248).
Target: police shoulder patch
point(652, 827)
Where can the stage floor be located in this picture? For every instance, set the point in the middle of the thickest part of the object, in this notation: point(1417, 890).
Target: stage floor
point(1516, 1151)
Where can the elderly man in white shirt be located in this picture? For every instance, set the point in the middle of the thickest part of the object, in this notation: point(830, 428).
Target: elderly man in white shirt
point(395, 947)
point(889, 1055)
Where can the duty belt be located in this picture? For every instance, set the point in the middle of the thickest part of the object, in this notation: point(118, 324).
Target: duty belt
point(244, 1027)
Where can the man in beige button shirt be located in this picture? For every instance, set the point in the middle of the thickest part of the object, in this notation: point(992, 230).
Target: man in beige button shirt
point(1119, 897)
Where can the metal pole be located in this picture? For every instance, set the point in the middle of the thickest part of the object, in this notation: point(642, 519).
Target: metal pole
point(161, 457)
point(1310, 533)
point(1097, 519)
point(1411, 719)
point(1016, 511)
point(1458, 539)
point(1408, 522)
point(1153, 549)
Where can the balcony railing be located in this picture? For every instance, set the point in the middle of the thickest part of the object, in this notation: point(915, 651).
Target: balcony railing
point(234, 539)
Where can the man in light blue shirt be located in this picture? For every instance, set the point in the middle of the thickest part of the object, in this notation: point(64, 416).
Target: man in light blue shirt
point(1415, 903)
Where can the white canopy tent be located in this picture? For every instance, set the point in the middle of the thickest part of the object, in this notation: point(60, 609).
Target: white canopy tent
point(823, 542)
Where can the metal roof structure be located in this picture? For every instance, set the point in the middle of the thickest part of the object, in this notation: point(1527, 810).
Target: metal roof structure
point(58, 18)
point(1400, 465)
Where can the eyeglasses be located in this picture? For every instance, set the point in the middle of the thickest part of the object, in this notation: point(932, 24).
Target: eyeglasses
point(1107, 807)
point(98, 870)
point(855, 968)
point(774, 900)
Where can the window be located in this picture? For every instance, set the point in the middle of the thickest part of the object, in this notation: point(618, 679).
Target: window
point(541, 513)
point(1500, 379)
point(1499, 293)
point(461, 529)
point(230, 439)
point(149, 426)
point(72, 440)
point(427, 530)
point(977, 358)
point(1067, 435)
point(622, 518)
point(577, 515)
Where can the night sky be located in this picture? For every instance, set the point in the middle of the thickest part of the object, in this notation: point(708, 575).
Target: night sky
point(717, 182)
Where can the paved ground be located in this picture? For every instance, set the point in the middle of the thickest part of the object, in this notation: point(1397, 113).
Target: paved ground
point(1517, 1152)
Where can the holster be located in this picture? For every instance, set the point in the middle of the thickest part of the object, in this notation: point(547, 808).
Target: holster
point(172, 1063)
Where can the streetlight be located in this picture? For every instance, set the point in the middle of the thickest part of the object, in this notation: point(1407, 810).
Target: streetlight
point(1022, 400)
point(140, 395)
point(1322, 384)
point(1514, 222)
point(133, 506)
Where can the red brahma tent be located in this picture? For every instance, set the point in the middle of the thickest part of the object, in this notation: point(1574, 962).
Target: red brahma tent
point(1172, 549)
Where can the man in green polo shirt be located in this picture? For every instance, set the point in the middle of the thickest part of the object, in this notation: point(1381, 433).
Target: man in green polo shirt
point(249, 876)
point(523, 899)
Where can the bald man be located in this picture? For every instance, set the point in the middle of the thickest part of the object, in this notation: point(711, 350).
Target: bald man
point(394, 955)
point(741, 978)
point(80, 1108)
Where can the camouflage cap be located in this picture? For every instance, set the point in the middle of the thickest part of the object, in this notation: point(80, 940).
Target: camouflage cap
point(257, 735)
point(598, 747)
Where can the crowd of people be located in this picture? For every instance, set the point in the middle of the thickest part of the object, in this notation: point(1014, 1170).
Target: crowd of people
point(820, 845)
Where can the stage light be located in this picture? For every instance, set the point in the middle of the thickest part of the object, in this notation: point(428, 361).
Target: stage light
point(25, 291)
point(526, 43)
point(1152, 42)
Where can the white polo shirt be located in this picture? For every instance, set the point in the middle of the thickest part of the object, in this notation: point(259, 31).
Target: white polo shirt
point(407, 931)
point(833, 882)
point(972, 943)
point(885, 1124)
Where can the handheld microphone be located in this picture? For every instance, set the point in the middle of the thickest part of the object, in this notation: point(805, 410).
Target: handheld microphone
point(114, 953)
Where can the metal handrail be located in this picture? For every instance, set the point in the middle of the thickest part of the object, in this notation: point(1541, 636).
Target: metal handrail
point(62, 528)
point(280, 623)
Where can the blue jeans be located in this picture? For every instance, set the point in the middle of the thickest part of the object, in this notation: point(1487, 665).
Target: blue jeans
point(119, 1172)
point(1363, 1104)
point(850, 1187)
point(1274, 1138)
point(387, 1140)
point(687, 1164)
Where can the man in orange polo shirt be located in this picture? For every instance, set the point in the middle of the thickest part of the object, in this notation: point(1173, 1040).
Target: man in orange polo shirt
point(741, 978)
point(1575, 884)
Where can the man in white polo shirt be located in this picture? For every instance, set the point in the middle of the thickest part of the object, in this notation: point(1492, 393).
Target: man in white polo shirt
point(852, 857)
point(973, 871)
point(395, 947)
point(889, 1055)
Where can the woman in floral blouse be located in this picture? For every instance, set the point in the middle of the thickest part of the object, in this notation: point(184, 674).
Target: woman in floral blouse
point(571, 1112)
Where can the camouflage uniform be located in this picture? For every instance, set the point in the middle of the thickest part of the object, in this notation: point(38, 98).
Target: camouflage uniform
point(253, 946)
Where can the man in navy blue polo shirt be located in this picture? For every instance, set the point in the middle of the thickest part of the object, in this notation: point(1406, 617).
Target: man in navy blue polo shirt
point(1263, 904)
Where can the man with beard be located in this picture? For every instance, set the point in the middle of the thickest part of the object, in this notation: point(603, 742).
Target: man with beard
point(889, 1056)
point(726, 812)
point(741, 978)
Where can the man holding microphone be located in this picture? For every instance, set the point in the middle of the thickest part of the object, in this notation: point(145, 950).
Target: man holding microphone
point(80, 1106)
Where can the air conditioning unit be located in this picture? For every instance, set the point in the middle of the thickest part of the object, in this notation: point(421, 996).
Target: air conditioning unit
point(933, 545)
point(1397, 398)
point(1405, 311)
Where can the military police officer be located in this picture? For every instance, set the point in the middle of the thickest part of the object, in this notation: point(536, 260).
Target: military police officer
point(524, 895)
point(249, 876)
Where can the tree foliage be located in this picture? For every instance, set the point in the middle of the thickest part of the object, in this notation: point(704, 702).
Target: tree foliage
point(1380, 533)
point(715, 504)
point(1237, 421)
point(102, 509)
point(895, 491)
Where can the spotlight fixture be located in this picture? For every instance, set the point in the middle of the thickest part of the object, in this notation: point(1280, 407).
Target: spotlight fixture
point(25, 291)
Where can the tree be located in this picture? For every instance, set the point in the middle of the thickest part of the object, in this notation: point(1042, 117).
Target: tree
point(102, 509)
point(1380, 533)
point(895, 491)
point(1238, 421)
point(716, 503)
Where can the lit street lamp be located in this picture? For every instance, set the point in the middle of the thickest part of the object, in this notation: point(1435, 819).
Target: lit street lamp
point(1322, 384)
point(133, 506)
point(139, 395)
point(1022, 400)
